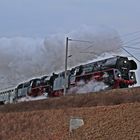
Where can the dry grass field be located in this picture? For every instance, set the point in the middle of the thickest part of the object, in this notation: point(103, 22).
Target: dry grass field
point(108, 115)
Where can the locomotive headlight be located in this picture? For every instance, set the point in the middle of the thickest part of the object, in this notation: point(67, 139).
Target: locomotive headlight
point(131, 77)
point(125, 61)
point(119, 75)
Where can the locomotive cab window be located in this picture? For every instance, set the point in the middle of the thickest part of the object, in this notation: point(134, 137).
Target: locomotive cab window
point(20, 86)
point(37, 83)
point(27, 84)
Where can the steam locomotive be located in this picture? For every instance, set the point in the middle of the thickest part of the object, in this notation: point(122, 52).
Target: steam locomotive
point(115, 72)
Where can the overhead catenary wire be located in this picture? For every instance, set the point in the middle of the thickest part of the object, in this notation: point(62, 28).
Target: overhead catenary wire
point(132, 43)
point(126, 44)
point(125, 35)
point(130, 54)
point(129, 34)
point(82, 41)
point(129, 41)
point(134, 40)
point(132, 47)
point(77, 40)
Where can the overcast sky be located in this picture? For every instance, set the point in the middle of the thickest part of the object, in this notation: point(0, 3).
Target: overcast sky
point(29, 27)
point(38, 18)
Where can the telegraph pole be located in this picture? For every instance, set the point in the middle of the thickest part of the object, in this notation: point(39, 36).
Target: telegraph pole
point(66, 61)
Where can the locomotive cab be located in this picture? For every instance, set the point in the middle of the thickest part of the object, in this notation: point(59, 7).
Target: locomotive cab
point(34, 88)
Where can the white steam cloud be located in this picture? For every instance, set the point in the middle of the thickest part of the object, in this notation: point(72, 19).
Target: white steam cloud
point(23, 58)
point(91, 86)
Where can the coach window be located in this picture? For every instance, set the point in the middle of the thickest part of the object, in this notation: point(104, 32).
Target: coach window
point(38, 83)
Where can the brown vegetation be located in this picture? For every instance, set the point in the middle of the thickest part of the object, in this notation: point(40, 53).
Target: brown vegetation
point(49, 119)
point(110, 97)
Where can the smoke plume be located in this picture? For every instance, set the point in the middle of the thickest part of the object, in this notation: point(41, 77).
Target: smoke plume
point(22, 58)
